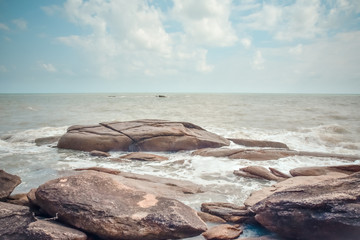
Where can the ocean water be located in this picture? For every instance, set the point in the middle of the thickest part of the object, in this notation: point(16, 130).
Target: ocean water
point(321, 123)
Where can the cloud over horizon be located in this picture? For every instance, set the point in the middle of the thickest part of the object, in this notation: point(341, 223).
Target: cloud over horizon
point(247, 43)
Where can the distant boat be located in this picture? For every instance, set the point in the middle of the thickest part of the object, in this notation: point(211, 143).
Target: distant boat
point(161, 96)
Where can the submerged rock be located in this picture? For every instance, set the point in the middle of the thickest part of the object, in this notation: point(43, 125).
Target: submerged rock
point(99, 153)
point(317, 171)
point(46, 140)
point(14, 220)
point(140, 135)
point(265, 154)
point(8, 183)
point(257, 143)
point(96, 203)
point(140, 156)
point(250, 154)
point(318, 210)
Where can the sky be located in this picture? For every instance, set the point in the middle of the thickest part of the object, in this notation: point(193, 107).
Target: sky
point(244, 46)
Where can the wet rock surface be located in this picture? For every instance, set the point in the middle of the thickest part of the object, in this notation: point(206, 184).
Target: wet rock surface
point(327, 209)
point(265, 154)
point(317, 171)
point(258, 143)
point(140, 156)
point(140, 135)
point(98, 204)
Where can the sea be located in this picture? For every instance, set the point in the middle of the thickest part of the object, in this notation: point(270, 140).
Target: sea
point(308, 122)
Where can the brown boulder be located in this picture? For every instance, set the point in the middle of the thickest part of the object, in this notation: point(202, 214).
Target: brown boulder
point(140, 156)
point(8, 182)
point(319, 210)
point(257, 143)
point(51, 230)
point(14, 220)
point(99, 204)
point(140, 135)
point(222, 232)
point(257, 172)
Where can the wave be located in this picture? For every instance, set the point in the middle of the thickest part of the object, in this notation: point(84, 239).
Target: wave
point(332, 138)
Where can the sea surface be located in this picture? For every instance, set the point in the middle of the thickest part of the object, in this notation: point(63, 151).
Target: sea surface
point(319, 123)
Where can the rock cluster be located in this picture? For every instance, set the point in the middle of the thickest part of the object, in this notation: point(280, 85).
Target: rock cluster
point(105, 205)
point(100, 203)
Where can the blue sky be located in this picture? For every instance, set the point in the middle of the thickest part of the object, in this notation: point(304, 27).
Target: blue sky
point(275, 46)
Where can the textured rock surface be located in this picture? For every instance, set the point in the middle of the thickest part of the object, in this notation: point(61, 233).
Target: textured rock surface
point(14, 220)
point(319, 210)
point(140, 135)
point(258, 143)
point(222, 232)
point(257, 172)
point(165, 187)
point(50, 230)
point(265, 154)
point(140, 156)
point(98, 203)
point(7, 183)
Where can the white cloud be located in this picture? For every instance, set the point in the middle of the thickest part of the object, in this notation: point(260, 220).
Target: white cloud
point(258, 61)
point(126, 33)
point(20, 23)
point(4, 27)
point(48, 67)
point(246, 42)
point(206, 22)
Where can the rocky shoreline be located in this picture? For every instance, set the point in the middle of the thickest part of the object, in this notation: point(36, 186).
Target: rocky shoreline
point(99, 203)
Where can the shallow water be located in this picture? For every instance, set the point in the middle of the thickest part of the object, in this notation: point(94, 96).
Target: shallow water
point(321, 123)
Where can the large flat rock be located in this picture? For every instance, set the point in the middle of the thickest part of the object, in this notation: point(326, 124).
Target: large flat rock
point(98, 203)
point(328, 209)
point(140, 135)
